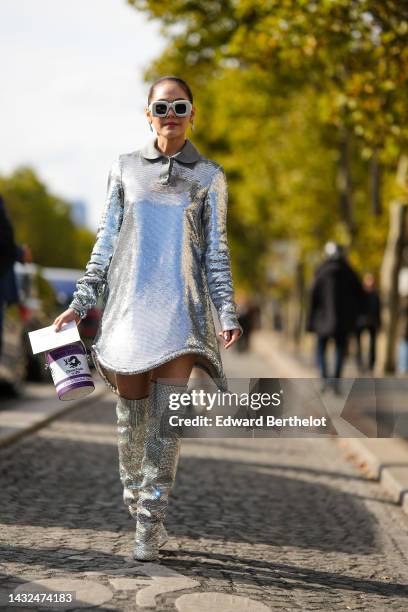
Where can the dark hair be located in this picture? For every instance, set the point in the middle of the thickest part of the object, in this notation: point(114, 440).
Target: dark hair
point(181, 82)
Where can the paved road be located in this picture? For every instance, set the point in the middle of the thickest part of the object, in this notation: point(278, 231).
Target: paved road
point(288, 523)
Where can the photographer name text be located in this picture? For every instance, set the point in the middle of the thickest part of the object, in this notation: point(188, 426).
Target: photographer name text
point(259, 421)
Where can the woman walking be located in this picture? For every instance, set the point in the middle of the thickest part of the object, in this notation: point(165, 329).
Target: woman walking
point(161, 254)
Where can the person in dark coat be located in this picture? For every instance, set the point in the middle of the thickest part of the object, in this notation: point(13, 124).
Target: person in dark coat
point(369, 320)
point(248, 316)
point(336, 300)
point(9, 253)
point(244, 318)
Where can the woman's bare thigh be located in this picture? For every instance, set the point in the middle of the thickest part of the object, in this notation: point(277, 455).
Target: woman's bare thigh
point(135, 386)
point(178, 369)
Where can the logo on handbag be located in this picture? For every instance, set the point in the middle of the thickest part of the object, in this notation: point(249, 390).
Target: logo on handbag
point(72, 362)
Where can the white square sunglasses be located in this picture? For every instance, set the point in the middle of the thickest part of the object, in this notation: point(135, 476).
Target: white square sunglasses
point(160, 108)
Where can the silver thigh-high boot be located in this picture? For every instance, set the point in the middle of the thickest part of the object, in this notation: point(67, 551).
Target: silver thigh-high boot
point(158, 469)
point(132, 415)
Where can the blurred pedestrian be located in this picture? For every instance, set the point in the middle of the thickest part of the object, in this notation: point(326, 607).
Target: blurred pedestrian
point(246, 309)
point(277, 316)
point(370, 321)
point(248, 316)
point(244, 318)
point(9, 253)
point(336, 300)
point(402, 361)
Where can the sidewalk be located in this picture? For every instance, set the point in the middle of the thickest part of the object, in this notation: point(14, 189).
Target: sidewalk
point(381, 459)
point(38, 407)
point(300, 360)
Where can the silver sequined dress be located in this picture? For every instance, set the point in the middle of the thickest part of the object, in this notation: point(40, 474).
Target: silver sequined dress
point(160, 256)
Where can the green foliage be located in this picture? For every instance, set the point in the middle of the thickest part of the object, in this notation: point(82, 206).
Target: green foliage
point(354, 53)
point(42, 220)
point(274, 82)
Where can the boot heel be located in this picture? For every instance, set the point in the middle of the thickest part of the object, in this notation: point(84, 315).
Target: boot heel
point(148, 540)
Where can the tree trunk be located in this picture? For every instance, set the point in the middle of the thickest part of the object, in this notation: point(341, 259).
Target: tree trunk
point(300, 300)
point(389, 280)
point(344, 182)
point(376, 184)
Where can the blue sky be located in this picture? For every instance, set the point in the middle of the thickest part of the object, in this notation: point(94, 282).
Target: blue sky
point(72, 92)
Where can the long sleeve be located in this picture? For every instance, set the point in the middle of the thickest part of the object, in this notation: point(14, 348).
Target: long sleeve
point(92, 283)
point(217, 256)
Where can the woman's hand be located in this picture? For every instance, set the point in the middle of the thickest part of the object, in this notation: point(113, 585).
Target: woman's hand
point(230, 336)
point(66, 317)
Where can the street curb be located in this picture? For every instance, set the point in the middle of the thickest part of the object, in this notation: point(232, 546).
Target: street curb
point(8, 438)
point(384, 460)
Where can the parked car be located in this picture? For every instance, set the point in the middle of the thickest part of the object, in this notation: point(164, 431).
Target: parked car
point(37, 305)
point(64, 282)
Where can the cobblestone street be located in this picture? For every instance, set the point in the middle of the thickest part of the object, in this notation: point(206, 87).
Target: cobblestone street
point(289, 524)
point(204, 306)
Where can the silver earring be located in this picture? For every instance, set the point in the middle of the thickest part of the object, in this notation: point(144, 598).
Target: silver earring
point(150, 126)
point(192, 126)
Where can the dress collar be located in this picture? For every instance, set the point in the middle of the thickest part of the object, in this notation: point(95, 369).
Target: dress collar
point(187, 154)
